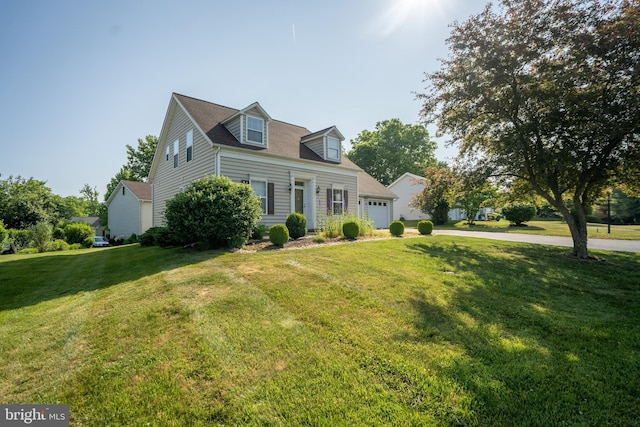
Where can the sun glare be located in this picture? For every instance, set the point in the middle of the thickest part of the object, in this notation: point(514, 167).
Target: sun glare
point(403, 12)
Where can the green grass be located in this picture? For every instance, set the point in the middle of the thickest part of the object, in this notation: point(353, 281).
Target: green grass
point(541, 227)
point(409, 331)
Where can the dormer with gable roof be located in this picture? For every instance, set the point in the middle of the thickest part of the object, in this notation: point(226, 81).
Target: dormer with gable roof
point(326, 143)
point(250, 125)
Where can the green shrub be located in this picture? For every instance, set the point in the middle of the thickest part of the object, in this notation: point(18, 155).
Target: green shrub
point(59, 245)
point(318, 239)
point(279, 234)
point(148, 238)
point(297, 225)
point(19, 238)
point(425, 227)
point(40, 234)
point(88, 242)
point(518, 214)
point(58, 233)
point(214, 210)
point(75, 246)
point(351, 229)
point(27, 251)
point(132, 239)
point(259, 231)
point(331, 225)
point(3, 232)
point(396, 228)
point(165, 238)
point(78, 232)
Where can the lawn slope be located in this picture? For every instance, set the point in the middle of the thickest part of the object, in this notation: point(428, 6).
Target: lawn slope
point(416, 331)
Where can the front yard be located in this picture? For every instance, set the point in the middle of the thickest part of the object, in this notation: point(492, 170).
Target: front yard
point(416, 331)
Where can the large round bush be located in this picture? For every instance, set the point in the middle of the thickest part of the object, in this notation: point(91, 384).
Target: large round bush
point(279, 234)
point(78, 232)
point(297, 225)
point(351, 229)
point(214, 210)
point(396, 228)
point(519, 213)
point(425, 227)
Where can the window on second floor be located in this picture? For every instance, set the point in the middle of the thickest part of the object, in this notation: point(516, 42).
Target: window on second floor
point(189, 146)
point(166, 152)
point(176, 153)
point(333, 148)
point(255, 129)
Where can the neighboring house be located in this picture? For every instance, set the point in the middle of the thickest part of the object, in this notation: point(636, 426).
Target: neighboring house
point(130, 208)
point(290, 168)
point(93, 221)
point(407, 186)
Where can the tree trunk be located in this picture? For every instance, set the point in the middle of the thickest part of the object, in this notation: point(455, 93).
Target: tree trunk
point(578, 229)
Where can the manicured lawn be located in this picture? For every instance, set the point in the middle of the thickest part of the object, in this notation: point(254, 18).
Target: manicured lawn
point(410, 331)
point(542, 227)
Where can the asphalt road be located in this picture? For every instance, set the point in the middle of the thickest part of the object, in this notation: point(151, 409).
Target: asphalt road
point(602, 244)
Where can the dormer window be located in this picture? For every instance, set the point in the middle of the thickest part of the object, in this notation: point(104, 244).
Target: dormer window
point(333, 148)
point(255, 129)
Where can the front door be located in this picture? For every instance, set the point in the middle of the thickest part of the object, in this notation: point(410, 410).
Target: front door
point(300, 200)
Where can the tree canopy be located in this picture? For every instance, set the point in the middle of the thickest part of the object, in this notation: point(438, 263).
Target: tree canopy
point(392, 149)
point(138, 163)
point(545, 92)
point(26, 202)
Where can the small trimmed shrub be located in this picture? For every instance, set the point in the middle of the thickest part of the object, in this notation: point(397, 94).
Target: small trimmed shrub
point(425, 227)
point(132, 239)
point(351, 229)
point(318, 239)
point(396, 228)
point(279, 234)
point(259, 231)
point(297, 225)
point(27, 251)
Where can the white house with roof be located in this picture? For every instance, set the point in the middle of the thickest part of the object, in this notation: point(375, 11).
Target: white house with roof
point(130, 209)
point(290, 168)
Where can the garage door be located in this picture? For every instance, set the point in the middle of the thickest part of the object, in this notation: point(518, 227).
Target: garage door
point(378, 211)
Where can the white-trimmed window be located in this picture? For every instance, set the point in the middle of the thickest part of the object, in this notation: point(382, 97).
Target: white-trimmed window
point(189, 146)
point(176, 152)
point(166, 152)
point(260, 188)
point(338, 201)
point(333, 148)
point(255, 130)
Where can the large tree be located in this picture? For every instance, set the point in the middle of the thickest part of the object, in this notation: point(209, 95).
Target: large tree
point(438, 193)
point(26, 202)
point(392, 149)
point(545, 92)
point(138, 163)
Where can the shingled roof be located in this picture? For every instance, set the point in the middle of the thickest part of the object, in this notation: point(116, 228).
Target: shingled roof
point(284, 138)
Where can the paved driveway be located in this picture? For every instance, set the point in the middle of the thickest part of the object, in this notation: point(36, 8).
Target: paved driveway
point(603, 244)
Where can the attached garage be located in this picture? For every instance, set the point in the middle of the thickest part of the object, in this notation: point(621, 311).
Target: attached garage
point(378, 211)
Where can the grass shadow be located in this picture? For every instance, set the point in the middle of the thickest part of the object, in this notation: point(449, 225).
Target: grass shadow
point(27, 280)
point(545, 340)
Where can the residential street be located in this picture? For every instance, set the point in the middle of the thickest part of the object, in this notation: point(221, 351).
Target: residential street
point(603, 244)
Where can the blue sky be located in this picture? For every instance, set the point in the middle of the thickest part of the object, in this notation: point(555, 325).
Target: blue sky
point(82, 79)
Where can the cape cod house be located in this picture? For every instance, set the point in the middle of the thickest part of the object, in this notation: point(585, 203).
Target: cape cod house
point(290, 168)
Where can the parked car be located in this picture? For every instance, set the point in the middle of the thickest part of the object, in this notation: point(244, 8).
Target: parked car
point(100, 242)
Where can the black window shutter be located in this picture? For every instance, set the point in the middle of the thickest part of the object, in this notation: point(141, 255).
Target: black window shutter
point(346, 200)
point(270, 199)
point(329, 201)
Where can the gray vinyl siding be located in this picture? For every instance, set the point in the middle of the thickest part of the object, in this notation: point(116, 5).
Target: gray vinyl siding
point(125, 215)
point(239, 170)
point(317, 146)
point(169, 180)
point(234, 128)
